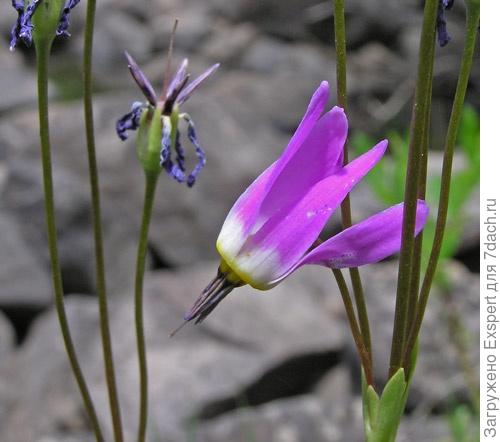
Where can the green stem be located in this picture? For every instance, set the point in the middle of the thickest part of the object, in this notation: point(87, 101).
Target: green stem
point(42, 61)
point(341, 52)
point(422, 188)
point(451, 136)
point(97, 224)
point(356, 333)
point(417, 137)
point(340, 49)
point(149, 193)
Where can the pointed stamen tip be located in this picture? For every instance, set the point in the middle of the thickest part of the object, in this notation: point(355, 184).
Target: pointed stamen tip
point(174, 332)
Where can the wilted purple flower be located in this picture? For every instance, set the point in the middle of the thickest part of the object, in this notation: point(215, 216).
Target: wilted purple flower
point(272, 228)
point(442, 33)
point(62, 29)
point(175, 93)
point(23, 28)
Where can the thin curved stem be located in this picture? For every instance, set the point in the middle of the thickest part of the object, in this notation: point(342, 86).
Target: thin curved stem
point(451, 137)
point(149, 193)
point(353, 324)
point(341, 51)
point(417, 137)
point(97, 225)
point(42, 60)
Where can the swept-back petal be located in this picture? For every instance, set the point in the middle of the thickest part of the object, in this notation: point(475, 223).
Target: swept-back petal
point(141, 79)
point(243, 216)
point(369, 241)
point(319, 156)
point(191, 87)
point(178, 82)
point(285, 237)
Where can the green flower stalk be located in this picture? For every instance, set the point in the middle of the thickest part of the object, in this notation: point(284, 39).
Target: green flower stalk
point(97, 225)
point(365, 350)
point(158, 139)
point(39, 21)
point(472, 24)
point(418, 137)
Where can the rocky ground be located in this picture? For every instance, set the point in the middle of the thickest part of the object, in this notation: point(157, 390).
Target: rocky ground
point(278, 366)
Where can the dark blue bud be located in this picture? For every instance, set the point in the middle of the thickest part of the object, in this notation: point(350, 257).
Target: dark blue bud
point(130, 121)
point(62, 28)
point(191, 133)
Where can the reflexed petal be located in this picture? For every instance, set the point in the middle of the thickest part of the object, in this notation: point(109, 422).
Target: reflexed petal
point(141, 79)
point(62, 28)
point(130, 121)
point(178, 82)
point(191, 87)
point(245, 212)
point(369, 241)
point(319, 156)
point(284, 238)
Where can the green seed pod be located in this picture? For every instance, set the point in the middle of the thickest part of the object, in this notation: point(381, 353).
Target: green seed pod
point(149, 140)
point(46, 20)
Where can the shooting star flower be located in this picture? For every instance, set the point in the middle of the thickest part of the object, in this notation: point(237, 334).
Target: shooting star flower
point(272, 228)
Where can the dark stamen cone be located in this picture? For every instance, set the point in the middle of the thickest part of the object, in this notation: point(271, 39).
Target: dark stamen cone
point(210, 297)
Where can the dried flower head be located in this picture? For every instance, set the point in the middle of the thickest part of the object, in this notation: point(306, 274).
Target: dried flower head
point(176, 91)
point(23, 28)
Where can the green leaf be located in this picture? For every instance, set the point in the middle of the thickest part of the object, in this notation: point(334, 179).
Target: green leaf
point(370, 406)
point(390, 408)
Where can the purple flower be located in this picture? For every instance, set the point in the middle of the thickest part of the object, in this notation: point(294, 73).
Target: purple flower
point(175, 93)
point(272, 228)
point(23, 28)
point(442, 33)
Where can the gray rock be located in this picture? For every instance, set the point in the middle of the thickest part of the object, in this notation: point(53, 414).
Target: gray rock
point(7, 338)
point(300, 419)
point(17, 83)
point(24, 279)
point(117, 32)
point(245, 338)
point(195, 28)
point(229, 43)
point(22, 197)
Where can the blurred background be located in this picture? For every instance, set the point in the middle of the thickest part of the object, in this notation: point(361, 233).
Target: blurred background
point(278, 366)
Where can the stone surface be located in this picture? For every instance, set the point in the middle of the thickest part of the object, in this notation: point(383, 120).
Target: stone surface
point(7, 337)
point(232, 350)
point(17, 83)
point(24, 279)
